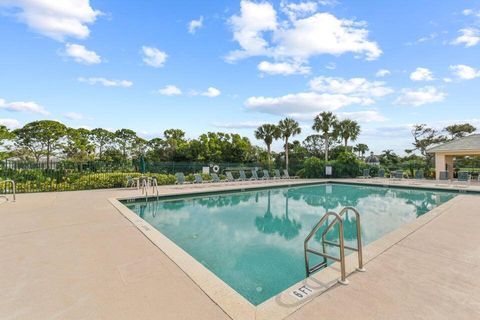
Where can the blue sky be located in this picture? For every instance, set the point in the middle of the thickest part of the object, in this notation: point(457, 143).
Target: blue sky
point(232, 65)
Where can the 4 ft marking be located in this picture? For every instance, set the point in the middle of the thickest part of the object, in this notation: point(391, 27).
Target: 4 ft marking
point(302, 292)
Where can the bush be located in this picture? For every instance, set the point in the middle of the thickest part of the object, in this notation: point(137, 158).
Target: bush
point(313, 168)
point(346, 166)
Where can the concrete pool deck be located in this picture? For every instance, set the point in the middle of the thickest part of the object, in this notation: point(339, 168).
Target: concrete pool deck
point(72, 255)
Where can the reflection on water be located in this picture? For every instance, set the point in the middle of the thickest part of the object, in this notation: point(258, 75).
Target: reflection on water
point(254, 240)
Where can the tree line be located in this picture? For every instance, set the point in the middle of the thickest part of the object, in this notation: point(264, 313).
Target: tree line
point(41, 140)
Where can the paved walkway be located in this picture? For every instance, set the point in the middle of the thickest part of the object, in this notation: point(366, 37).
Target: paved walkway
point(71, 255)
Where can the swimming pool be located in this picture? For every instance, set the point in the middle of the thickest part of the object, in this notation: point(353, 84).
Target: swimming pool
point(253, 239)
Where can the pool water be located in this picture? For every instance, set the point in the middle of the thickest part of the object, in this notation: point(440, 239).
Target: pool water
point(253, 240)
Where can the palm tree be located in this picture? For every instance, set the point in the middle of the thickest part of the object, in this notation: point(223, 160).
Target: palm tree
point(267, 133)
point(288, 128)
point(361, 148)
point(348, 130)
point(326, 122)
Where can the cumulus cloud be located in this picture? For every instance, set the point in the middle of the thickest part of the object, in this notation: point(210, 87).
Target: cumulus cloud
point(81, 54)
point(55, 19)
point(23, 106)
point(106, 82)
point(421, 74)
point(194, 25)
point(302, 105)
point(170, 90)
point(365, 116)
point(359, 87)
point(425, 95)
point(296, 38)
point(154, 57)
point(468, 37)
point(74, 116)
point(464, 72)
point(382, 73)
point(296, 10)
point(211, 92)
point(283, 68)
point(239, 125)
point(10, 123)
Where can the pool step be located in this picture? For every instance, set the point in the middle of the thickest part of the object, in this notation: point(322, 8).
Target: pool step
point(337, 219)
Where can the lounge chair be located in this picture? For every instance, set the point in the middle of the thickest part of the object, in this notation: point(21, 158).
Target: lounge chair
point(255, 175)
point(215, 178)
point(463, 177)
point(366, 174)
point(243, 176)
point(130, 182)
point(199, 179)
point(277, 174)
point(443, 177)
point(396, 175)
point(230, 177)
point(181, 178)
point(266, 175)
point(419, 175)
point(286, 175)
point(381, 174)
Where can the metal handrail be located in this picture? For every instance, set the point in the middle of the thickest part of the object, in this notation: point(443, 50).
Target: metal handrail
point(14, 188)
point(337, 219)
point(358, 249)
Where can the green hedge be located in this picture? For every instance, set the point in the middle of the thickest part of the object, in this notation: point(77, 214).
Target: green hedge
point(86, 182)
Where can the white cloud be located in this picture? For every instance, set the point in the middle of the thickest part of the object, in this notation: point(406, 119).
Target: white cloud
point(421, 74)
point(239, 125)
point(360, 87)
point(363, 116)
point(23, 106)
point(170, 90)
point(211, 92)
point(468, 37)
point(74, 116)
point(471, 12)
point(55, 19)
point(10, 123)
point(298, 39)
point(248, 28)
point(428, 94)
point(302, 105)
point(283, 68)
point(194, 25)
point(154, 57)
point(464, 72)
point(382, 73)
point(106, 82)
point(81, 54)
point(296, 10)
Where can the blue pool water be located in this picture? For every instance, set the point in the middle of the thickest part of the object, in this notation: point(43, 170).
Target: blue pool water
point(253, 240)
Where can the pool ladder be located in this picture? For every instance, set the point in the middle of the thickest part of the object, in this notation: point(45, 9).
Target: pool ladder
point(13, 189)
point(337, 219)
point(144, 186)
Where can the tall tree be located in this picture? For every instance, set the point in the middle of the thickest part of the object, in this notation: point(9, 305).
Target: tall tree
point(361, 148)
point(326, 123)
point(314, 144)
point(101, 138)
point(41, 138)
point(348, 130)
point(267, 133)
point(126, 139)
point(460, 130)
point(78, 146)
point(288, 128)
point(5, 135)
point(425, 137)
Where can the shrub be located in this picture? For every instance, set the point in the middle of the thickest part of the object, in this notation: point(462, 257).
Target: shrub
point(313, 168)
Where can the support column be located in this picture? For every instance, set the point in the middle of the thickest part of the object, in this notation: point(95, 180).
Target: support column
point(439, 164)
point(449, 164)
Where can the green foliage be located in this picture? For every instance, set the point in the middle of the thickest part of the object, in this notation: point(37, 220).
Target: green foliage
point(326, 123)
point(460, 130)
point(346, 165)
point(313, 168)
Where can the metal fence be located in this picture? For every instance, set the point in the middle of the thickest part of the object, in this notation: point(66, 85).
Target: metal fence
point(68, 176)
